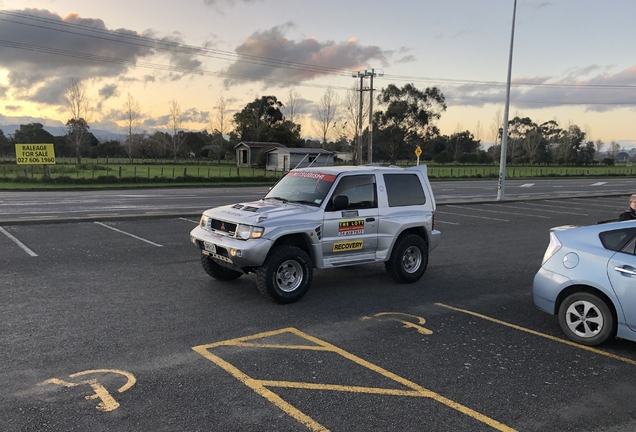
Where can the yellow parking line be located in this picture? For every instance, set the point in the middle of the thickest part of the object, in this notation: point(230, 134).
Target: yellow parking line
point(543, 335)
point(260, 386)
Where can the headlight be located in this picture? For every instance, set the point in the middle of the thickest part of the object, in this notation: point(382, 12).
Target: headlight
point(246, 232)
point(205, 222)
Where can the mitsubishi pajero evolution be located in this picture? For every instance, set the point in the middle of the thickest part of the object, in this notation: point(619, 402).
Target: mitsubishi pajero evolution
point(322, 218)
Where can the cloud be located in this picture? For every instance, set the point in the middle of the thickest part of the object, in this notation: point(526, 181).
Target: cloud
point(602, 92)
point(108, 91)
point(406, 59)
point(13, 108)
point(41, 50)
point(297, 60)
point(228, 2)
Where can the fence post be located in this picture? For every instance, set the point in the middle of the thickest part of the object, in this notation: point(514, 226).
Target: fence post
point(185, 171)
point(120, 171)
point(172, 172)
point(135, 172)
point(148, 172)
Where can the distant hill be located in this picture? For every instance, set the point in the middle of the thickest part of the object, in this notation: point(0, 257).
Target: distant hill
point(102, 135)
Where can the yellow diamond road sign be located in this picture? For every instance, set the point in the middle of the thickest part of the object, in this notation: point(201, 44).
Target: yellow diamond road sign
point(418, 151)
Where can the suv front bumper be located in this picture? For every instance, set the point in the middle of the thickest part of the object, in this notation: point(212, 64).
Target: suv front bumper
point(231, 251)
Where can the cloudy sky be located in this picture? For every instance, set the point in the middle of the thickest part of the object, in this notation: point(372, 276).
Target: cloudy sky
point(573, 60)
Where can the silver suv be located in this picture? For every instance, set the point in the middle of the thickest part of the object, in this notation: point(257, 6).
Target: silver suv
point(322, 218)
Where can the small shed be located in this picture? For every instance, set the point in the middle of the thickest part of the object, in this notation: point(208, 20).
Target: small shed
point(288, 158)
point(247, 152)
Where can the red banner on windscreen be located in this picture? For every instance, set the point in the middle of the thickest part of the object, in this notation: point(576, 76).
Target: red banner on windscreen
point(313, 175)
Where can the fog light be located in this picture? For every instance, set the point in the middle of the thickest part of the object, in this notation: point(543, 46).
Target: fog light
point(235, 252)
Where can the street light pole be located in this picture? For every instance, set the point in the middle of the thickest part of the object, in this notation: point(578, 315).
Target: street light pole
point(370, 150)
point(504, 135)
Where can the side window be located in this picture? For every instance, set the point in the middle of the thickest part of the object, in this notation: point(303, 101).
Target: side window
point(404, 190)
point(617, 239)
point(360, 189)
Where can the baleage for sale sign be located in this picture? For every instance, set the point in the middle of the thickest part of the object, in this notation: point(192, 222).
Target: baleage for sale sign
point(35, 154)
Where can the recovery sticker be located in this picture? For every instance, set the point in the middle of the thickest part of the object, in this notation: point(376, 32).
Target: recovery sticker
point(350, 227)
point(348, 246)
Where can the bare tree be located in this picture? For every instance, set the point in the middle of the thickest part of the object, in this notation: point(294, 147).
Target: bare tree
point(327, 111)
point(496, 127)
point(599, 148)
point(350, 110)
point(80, 111)
point(294, 106)
point(479, 132)
point(221, 123)
point(132, 116)
point(174, 124)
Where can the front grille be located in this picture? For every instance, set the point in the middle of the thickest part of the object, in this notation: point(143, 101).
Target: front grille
point(226, 227)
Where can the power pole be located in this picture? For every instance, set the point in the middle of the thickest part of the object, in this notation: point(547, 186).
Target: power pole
point(360, 75)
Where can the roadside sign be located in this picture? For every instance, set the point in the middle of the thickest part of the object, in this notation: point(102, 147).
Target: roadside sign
point(35, 154)
point(418, 151)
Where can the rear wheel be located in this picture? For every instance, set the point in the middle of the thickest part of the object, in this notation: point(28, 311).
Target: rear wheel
point(409, 259)
point(285, 275)
point(586, 319)
point(217, 271)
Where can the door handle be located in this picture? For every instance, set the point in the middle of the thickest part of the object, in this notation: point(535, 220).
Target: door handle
point(625, 271)
point(369, 220)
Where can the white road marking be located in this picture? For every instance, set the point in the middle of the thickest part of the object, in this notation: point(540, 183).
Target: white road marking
point(598, 184)
point(527, 185)
point(18, 242)
point(495, 211)
point(189, 220)
point(538, 209)
point(472, 216)
point(445, 222)
point(129, 234)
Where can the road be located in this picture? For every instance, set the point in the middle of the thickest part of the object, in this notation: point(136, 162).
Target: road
point(112, 325)
point(17, 207)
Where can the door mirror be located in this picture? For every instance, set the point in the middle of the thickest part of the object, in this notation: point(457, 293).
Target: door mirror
point(340, 202)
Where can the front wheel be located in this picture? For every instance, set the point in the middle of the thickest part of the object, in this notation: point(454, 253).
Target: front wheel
point(217, 271)
point(409, 259)
point(586, 319)
point(285, 275)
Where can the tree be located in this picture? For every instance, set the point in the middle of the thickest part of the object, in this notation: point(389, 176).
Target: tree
point(78, 136)
point(350, 110)
point(221, 124)
point(80, 110)
point(132, 116)
point(294, 106)
point(327, 111)
point(32, 133)
point(460, 143)
point(496, 128)
point(174, 124)
point(599, 147)
point(5, 145)
point(407, 113)
point(254, 122)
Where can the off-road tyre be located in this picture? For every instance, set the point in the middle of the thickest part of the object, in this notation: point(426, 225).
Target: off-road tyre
point(285, 275)
point(408, 260)
point(217, 271)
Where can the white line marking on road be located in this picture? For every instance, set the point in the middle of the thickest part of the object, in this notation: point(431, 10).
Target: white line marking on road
point(472, 216)
point(189, 220)
point(445, 222)
point(129, 234)
point(598, 184)
point(538, 209)
point(18, 242)
point(527, 185)
point(495, 211)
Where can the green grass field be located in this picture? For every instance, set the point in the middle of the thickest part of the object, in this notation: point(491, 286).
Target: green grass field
point(116, 173)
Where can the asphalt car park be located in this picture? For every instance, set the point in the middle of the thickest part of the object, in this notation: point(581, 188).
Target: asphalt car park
point(112, 325)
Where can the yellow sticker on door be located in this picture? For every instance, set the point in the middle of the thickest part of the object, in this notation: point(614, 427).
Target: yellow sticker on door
point(350, 227)
point(348, 246)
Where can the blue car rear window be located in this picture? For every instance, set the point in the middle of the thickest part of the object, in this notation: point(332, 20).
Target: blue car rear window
point(616, 239)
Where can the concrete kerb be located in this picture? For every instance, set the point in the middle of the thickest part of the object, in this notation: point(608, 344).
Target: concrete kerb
point(197, 215)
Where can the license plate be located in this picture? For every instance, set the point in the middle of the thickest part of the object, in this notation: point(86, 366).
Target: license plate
point(210, 247)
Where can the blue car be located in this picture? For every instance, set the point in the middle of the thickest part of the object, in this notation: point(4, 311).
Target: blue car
point(588, 279)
